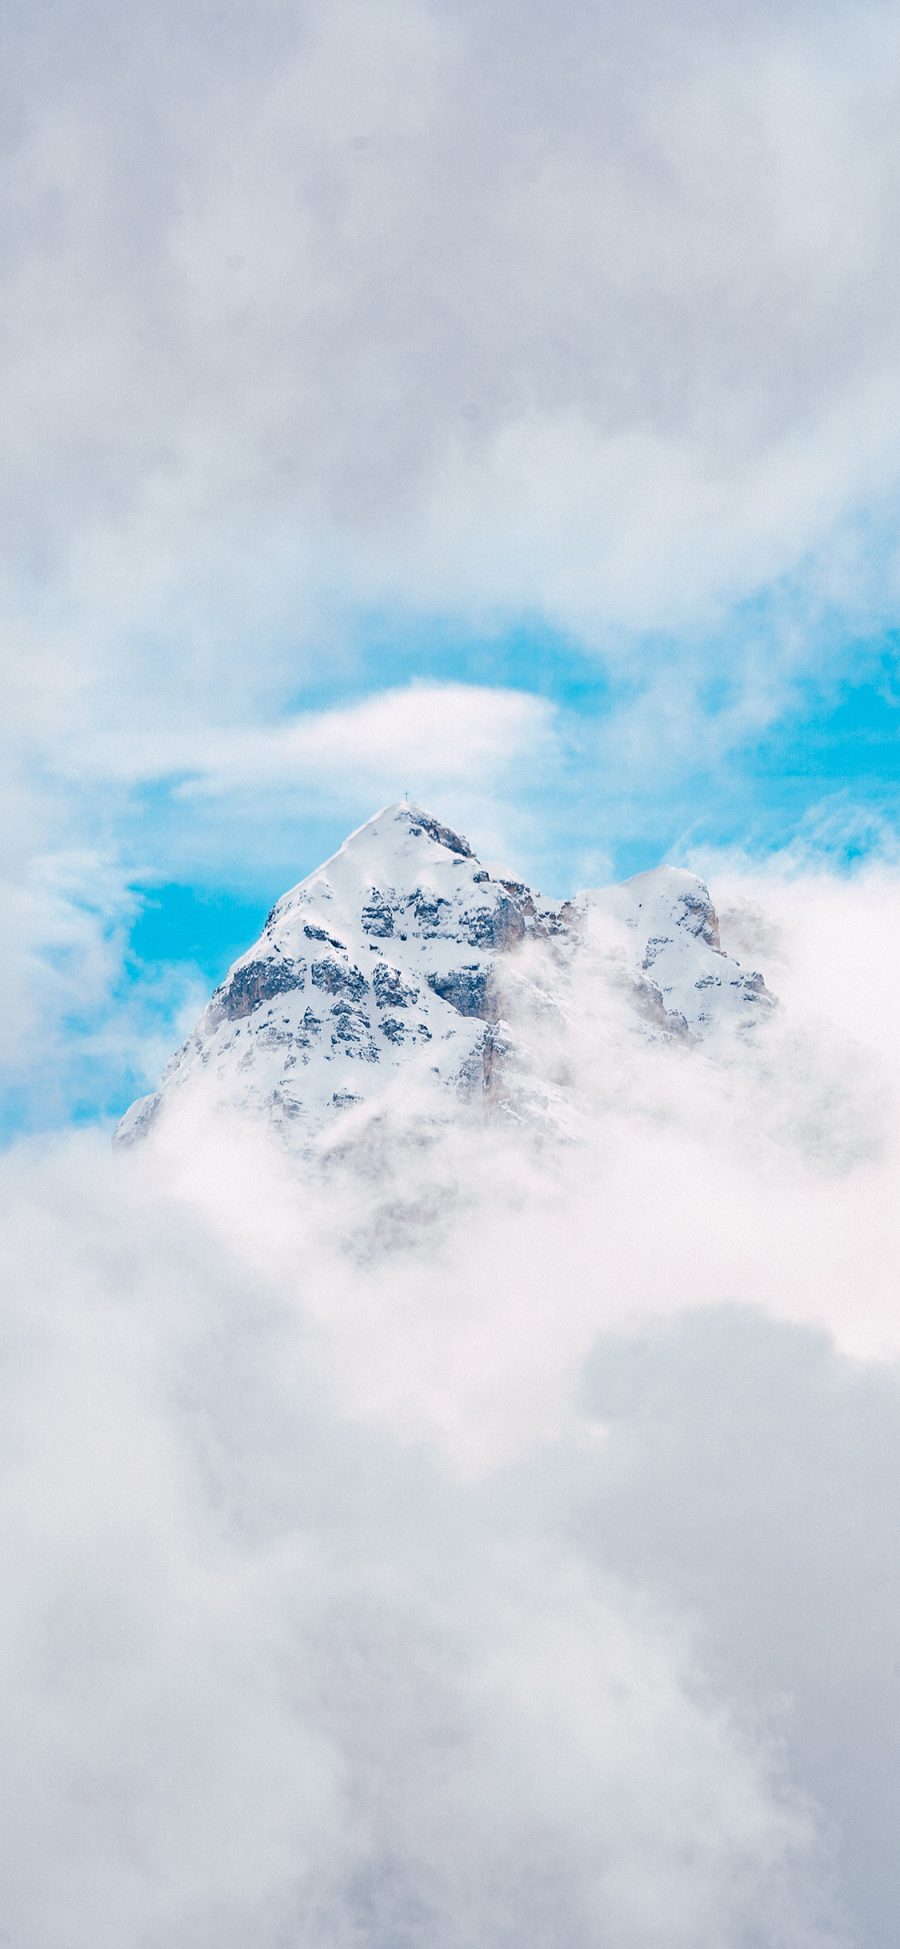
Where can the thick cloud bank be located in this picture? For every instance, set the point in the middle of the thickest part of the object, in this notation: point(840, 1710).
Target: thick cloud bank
point(495, 1548)
point(562, 308)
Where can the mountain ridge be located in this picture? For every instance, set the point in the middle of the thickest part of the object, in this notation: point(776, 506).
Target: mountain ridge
point(403, 956)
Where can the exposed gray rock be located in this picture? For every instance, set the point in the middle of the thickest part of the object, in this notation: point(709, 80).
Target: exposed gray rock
point(430, 910)
point(319, 934)
point(391, 991)
point(470, 990)
point(501, 926)
point(351, 1027)
point(377, 916)
point(753, 989)
point(483, 1073)
point(339, 978)
point(442, 835)
point(700, 916)
point(565, 920)
point(255, 983)
point(650, 1003)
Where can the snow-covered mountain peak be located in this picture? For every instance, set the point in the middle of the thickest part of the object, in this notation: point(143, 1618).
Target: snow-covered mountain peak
point(403, 954)
point(400, 850)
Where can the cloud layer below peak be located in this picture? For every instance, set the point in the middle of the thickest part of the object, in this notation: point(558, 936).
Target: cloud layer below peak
point(490, 1543)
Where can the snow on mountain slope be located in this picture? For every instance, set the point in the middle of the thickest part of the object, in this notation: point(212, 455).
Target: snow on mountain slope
point(680, 967)
point(403, 956)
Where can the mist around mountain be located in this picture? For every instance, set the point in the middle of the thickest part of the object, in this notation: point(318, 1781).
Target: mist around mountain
point(468, 1520)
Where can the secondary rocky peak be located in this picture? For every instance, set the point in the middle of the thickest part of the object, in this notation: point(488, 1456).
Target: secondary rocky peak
point(669, 895)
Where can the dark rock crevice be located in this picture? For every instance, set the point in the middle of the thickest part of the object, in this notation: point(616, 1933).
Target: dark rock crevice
point(470, 990)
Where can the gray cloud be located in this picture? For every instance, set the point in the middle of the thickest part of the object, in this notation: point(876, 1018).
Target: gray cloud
point(522, 307)
point(489, 1544)
point(271, 1668)
point(750, 1480)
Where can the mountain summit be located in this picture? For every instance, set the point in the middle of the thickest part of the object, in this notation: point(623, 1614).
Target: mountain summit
point(403, 956)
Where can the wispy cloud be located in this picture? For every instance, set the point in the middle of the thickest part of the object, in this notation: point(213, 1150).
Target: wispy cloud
point(435, 735)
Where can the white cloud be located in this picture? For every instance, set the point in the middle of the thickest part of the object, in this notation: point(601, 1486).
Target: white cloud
point(269, 1667)
point(62, 920)
point(73, 1028)
point(419, 305)
point(435, 735)
point(525, 1574)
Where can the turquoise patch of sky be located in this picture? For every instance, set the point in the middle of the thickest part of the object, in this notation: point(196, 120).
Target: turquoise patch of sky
point(206, 927)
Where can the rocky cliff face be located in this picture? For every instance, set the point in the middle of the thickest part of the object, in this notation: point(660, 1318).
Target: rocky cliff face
point(403, 955)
